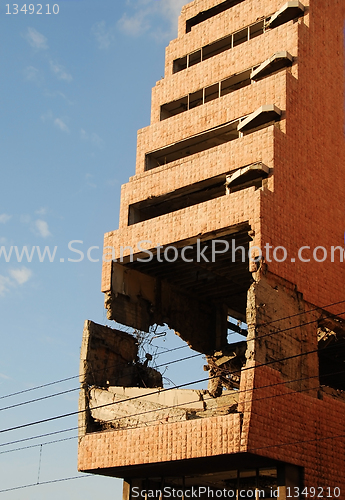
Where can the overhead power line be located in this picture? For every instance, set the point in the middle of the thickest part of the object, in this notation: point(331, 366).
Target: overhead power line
point(281, 445)
point(40, 399)
point(70, 414)
point(176, 406)
point(78, 388)
point(185, 346)
point(163, 364)
point(46, 482)
point(72, 378)
point(181, 347)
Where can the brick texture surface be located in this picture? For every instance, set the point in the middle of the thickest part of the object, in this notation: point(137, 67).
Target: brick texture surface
point(302, 204)
point(162, 443)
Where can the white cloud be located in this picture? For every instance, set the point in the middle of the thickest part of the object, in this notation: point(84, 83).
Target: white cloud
point(58, 122)
point(93, 138)
point(41, 211)
point(5, 283)
point(97, 140)
point(136, 24)
point(4, 218)
point(61, 125)
point(57, 93)
point(104, 35)
point(2, 375)
point(171, 9)
point(60, 71)
point(21, 276)
point(42, 228)
point(32, 74)
point(142, 19)
point(36, 39)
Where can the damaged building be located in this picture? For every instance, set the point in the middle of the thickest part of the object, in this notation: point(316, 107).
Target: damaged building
point(235, 212)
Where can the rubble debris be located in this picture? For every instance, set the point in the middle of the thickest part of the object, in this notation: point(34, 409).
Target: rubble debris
point(224, 368)
point(119, 407)
point(110, 357)
point(331, 345)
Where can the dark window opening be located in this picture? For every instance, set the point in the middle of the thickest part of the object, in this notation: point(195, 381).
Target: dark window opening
point(331, 344)
point(194, 58)
point(207, 14)
point(235, 82)
point(180, 64)
point(174, 108)
point(277, 62)
point(289, 12)
point(261, 118)
point(241, 37)
point(222, 280)
point(176, 200)
point(196, 99)
point(219, 46)
point(206, 95)
point(256, 29)
point(193, 145)
point(215, 48)
point(211, 93)
point(199, 192)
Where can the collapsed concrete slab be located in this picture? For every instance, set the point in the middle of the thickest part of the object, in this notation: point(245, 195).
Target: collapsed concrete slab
point(119, 391)
point(121, 408)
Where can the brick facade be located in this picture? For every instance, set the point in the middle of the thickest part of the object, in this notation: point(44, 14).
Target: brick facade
point(284, 414)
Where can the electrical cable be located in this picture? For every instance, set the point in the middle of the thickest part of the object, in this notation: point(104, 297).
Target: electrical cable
point(181, 347)
point(40, 444)
point(78, 412)
point(39, 436)
point(78, 388)
point(304, 312)
point(170, 362)
point(46, 482)
point(74, 377)
point(184, 404)
point(250, 450)
point(39, 399)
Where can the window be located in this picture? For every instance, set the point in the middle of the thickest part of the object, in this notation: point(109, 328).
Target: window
point(207, 14)
point(193, 145)
point(188, 196)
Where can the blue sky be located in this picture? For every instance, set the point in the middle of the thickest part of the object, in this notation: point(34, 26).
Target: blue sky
point(75, 87)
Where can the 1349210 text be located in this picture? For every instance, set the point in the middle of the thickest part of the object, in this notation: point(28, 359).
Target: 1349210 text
point(31, 8)
point(311, 492)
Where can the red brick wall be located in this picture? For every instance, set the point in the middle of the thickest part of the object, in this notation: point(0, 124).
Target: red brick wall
point(161, 443)
point(305, 429)
point(307, 207)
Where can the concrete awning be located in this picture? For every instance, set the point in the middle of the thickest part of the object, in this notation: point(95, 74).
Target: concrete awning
point(246, 175)
point(277, 61)
point(263, 115)
point(289, 11)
